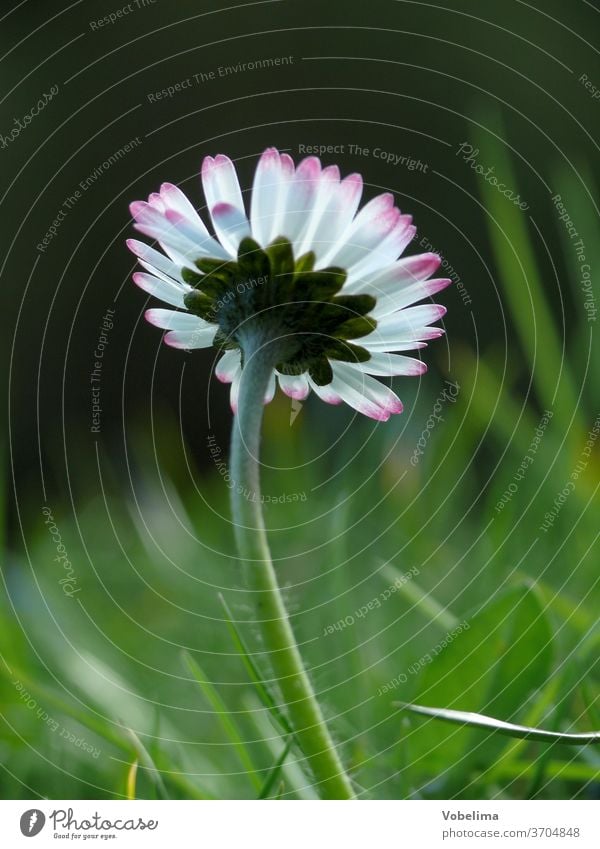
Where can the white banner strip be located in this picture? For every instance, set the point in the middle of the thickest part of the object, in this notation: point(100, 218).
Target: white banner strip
point(293, 825)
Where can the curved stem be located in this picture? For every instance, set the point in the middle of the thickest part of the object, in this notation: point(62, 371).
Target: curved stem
point(302, 706)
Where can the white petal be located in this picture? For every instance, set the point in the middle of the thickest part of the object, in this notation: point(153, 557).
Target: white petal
point(181, 258)
point(386, 251)
point(153, 260)
point(156, 201)
point(334, 210)
point(268, 194)
point(395, 330)
point(174, 198)
point(171, 320)
point(171, 229)
point(270, 393)
point(295, 386)
point(300, 200)
point(406, 320)
point(197, 234)
point(187, 339)
point(406, 295)
point(220, 182)
point(391, 365)
point(397, 342)
point(325, 393)
point(357, 400)
point(235, 389)
point(170, 293)
point(350, 383)
point(372, 224)
point(386, 281)
point(231, 226)
point(228, 366)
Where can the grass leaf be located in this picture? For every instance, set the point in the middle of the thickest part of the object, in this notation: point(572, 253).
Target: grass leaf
point(275, 770)
point(131, 780)
point(223, 714)
point(261, 688)
point(478, 720)
point(148, 764)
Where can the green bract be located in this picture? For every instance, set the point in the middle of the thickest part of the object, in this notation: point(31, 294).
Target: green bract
point(281, 297)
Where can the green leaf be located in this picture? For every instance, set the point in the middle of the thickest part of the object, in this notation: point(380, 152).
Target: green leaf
point(478, 720)
point(494, 660)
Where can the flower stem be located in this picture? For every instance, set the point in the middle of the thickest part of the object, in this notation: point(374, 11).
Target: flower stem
point(303, 709)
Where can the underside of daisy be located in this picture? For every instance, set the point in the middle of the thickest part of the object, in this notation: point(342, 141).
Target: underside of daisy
point(316, 279)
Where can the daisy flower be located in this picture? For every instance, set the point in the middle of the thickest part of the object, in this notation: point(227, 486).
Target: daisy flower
point(306, 267)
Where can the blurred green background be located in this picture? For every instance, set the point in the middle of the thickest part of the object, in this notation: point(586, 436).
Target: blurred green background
point(97, 697)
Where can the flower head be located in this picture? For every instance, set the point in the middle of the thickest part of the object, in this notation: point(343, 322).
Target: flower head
point(306, 271)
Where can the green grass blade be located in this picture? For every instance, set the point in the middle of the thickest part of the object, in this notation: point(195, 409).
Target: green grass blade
point(478, 720)
point(297, 781)
point(512, 240)
point(261, 688)
point(148, 764)
point(275, 770)
point(131, 781)
point(222, 713)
